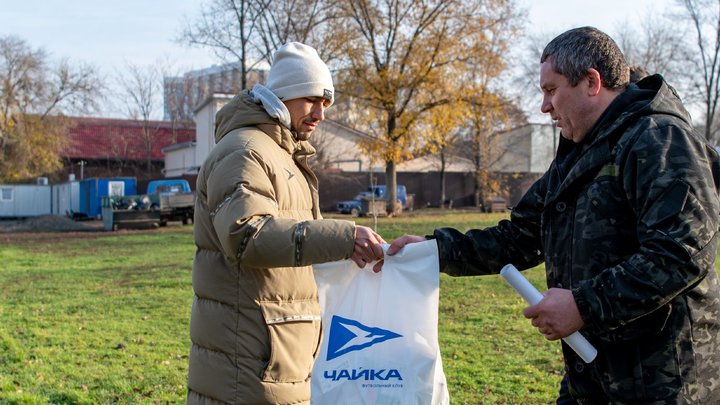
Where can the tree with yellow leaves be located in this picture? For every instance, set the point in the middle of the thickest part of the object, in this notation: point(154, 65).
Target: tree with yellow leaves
point(33, 100)
point(403, 64)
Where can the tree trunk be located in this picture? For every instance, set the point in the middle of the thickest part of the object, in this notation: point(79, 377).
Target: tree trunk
point(390, 175)
point(391, 186)
point(443, 176)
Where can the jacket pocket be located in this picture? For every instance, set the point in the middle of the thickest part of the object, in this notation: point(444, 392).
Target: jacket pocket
point(645, 370)
point(294, 331)
point(646, 327)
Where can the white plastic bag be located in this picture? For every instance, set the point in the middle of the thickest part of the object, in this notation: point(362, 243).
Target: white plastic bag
point(380, 332)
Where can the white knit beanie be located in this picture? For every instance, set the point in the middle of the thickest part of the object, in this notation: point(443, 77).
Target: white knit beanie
point(297, 71)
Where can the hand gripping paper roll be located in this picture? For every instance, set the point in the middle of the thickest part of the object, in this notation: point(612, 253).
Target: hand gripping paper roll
point(532, 296)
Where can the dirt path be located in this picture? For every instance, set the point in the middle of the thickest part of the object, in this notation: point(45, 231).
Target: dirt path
point(49, 223)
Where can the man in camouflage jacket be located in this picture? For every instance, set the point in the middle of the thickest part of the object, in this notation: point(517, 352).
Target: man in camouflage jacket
point(626, 220)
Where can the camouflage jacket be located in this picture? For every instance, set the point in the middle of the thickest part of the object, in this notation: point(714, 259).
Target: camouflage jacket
point(627, 220)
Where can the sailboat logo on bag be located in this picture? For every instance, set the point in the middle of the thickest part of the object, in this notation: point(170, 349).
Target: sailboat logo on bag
point(347, 335)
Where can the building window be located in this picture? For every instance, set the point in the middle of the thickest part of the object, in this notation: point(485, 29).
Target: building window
point(6, 194)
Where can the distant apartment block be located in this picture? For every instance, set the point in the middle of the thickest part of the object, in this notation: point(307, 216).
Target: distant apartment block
point(183, 94)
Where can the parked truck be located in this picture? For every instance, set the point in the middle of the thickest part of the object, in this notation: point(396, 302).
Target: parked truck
point(165, 200)
point(373, 201)
point(173, 199)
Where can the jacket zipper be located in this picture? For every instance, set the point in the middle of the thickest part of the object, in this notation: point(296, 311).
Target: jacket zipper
point(298, 236)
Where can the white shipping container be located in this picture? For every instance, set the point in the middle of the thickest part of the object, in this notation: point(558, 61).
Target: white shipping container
point(66, 198)
point(24, 200)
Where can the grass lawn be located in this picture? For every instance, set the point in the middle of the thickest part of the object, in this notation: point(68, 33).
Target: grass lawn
point(98, 318)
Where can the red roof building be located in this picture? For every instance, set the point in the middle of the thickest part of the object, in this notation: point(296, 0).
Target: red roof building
point(108, 146)
point(103, 138)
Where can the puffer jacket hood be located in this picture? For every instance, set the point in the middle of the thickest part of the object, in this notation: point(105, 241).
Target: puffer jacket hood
point(243, 112)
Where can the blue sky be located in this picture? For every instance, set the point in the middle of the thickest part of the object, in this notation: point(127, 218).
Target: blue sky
point(107, 34)
point(556, 16)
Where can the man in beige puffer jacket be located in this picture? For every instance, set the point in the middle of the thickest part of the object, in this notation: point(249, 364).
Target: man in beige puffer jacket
point(255, 321)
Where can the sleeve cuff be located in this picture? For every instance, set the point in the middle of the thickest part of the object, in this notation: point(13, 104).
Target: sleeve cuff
point(582, 305)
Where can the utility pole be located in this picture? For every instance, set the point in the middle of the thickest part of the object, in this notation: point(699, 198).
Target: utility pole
point(82, 164)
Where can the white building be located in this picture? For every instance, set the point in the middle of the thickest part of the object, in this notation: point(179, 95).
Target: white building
point(24, 200)
point(527, 149)
point(186, 158)
point(530, 148)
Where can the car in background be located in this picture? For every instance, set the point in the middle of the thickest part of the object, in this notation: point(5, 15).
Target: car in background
point(373, 201)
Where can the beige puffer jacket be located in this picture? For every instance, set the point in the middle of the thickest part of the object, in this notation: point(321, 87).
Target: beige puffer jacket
point(255, 322)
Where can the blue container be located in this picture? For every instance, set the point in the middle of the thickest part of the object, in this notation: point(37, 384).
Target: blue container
point(93, 189)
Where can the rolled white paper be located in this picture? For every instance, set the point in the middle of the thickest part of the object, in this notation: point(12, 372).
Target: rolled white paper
point(532, 296)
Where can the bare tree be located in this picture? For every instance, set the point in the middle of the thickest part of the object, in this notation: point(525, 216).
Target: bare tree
point(280, 23)
point(141, 88)
point(247, 32)
point(178, 101)
point(704, 17)
point(120, 151)
point(526, 78)
point(226, 27)
point(658, 45)
point(180, 97)
point(655, 45)
point(35, 96)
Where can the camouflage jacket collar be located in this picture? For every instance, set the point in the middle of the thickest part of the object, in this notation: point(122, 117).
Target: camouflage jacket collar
point(575, 164)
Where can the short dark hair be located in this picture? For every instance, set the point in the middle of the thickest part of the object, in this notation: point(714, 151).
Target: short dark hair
point(577, 50)
point(637, 73)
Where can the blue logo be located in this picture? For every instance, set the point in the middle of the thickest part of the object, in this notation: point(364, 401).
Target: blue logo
point(347, 335)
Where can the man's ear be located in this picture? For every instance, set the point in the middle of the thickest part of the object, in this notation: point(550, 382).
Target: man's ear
point(594, 82)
